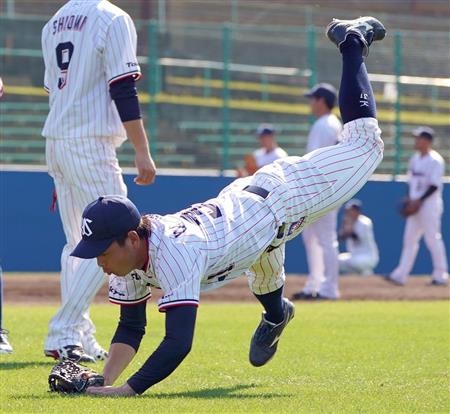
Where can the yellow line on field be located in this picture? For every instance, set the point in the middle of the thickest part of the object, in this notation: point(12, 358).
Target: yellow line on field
point(384, 115)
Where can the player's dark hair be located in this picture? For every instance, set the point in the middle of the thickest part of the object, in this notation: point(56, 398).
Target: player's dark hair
point(143, 231)
point(327, 102)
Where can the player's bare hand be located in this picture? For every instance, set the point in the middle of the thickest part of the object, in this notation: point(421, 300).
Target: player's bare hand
point(123, 391)
point(146, 169)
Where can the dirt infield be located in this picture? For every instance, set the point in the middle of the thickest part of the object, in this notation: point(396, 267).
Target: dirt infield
point(44, 288)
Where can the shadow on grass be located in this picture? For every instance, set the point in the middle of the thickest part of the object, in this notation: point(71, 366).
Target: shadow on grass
point(217, 393)
point(231, 393)
point(25, 364)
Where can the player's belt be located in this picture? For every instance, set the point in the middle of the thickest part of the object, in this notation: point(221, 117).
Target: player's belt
point(257, 190)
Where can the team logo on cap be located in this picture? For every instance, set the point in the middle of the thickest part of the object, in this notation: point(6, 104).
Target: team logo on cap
point(85, 229)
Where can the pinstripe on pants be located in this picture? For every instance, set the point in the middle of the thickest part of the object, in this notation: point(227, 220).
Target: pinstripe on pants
point(82, 170)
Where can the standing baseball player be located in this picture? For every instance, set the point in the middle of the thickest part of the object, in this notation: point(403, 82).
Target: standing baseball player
point(89, 50)
point(357, 232)
point(320, 238)
point(5, 346)
point(242, 231)
point(268, 152)
point(426, 169)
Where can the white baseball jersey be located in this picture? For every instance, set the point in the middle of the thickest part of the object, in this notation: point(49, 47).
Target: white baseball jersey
point(365, 243)
point(262, 157)
point(87, 45)
point(324, 132)
point(425, 170)
point(211, 243)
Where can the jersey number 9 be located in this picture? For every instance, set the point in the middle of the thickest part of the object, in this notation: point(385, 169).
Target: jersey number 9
point(64, 53)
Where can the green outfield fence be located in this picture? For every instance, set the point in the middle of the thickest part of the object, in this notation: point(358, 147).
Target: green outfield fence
point(207, 86)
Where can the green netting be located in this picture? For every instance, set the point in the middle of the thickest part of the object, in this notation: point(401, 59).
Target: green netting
point(207, 86)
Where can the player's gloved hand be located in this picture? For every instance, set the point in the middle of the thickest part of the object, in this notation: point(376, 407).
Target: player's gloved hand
point(68, 377)
point(409, 207)
point(146, 168)
point(123, 391)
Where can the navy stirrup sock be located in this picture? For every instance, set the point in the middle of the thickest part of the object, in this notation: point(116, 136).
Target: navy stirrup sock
point(273, 305)
point(356, 98)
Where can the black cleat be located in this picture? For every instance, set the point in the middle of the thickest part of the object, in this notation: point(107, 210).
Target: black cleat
point(266, 336)
point(73, 352)
point(367, 29)
point(302, 296)
point(438, 283)
point(310, 297)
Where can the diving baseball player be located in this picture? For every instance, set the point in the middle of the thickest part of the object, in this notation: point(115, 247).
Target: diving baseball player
point(357, 232)
point(320, 238)
point(242, 231)
point(89, 49)
point(426, 169)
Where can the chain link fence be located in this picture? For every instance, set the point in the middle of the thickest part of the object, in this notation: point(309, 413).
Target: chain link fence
point(207, 86)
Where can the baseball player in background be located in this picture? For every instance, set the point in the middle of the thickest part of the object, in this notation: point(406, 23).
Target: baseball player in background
point(425, 172)
point(240, 232)
point(320, 238)
point(5, 346)
point(357, 232)
point(269, 151)
point(89, 49)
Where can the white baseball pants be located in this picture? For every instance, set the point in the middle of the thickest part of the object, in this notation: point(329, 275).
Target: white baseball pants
point(321, 246)
point(82, 170)
point(356, 263)
point(302, 190)
point(426, 222)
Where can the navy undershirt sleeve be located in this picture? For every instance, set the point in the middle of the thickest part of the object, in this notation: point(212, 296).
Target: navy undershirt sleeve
point(124, 94)
point(430, 190)
point(131, 326)
point(180, 323)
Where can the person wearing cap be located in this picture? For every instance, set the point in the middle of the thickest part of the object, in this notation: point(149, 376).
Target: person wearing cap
point(242, 231)
point(425, 172)
point(357, 232)
point(269, 151)
point(320, 239)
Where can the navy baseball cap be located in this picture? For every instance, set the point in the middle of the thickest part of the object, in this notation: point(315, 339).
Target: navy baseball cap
point(353, 203)
point(325, 91)
point(104, 221)
point(424, 132)
point(265, 129)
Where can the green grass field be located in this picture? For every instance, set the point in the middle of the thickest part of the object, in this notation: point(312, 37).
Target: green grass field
point(362, 357)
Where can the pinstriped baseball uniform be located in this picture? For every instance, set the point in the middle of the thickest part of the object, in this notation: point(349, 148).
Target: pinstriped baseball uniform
point(86, 45)
point(240, 232)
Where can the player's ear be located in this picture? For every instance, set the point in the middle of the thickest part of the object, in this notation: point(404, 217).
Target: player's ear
point(133, 237)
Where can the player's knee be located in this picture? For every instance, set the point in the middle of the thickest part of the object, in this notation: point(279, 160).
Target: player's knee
point(184, 349)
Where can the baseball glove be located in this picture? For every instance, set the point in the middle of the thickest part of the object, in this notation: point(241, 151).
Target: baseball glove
point(68, 377)
point(409, 207)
